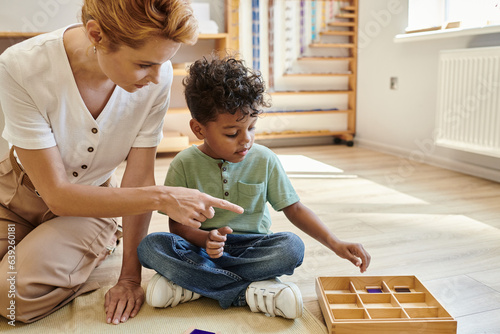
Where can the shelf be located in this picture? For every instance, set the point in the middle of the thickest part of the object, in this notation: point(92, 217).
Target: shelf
point(19, 34)
point(311, 58)
point(317, 74)
point(299, 134)
point(178, 111)
point(179, 72)
point(213, 36)
point(170, 149)
point(446, 33)
point(310, 92)
point(304, 112)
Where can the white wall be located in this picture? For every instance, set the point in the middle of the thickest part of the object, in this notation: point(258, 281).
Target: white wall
point(38, 15)
point(402, 121)
point(34, 16)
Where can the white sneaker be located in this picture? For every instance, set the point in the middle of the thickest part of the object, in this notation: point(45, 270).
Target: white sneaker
point(275, 298)
point(163, 293)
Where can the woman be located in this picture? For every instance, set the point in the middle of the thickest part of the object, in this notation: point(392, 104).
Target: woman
point(77, 102)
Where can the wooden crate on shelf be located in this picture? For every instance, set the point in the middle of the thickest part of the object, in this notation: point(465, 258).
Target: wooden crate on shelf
point(381, 304)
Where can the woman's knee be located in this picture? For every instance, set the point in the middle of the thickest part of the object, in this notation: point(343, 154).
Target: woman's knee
point(23, 295)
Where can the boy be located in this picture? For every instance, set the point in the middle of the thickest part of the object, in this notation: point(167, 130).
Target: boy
point(233, 258)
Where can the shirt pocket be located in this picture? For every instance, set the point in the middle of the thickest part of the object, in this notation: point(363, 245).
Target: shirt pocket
point(251, 197)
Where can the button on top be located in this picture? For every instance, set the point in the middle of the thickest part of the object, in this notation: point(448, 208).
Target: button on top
point(224, 169)
point(90, 149)
point(94, 130)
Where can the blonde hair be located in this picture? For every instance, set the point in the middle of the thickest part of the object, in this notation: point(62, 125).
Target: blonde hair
point(132, 22)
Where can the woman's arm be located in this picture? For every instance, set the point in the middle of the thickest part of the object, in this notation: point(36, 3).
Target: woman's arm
point(309, 222)
point(46, 171)
point(125, 299)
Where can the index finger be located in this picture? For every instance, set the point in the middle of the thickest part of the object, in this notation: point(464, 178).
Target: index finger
point(223, 204)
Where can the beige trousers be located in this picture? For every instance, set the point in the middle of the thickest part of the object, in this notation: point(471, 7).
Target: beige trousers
point(45, 259)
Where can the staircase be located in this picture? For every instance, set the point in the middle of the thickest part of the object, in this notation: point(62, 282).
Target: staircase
point(310, 61)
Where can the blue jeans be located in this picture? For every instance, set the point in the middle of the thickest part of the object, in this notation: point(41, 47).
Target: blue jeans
point(247, 258)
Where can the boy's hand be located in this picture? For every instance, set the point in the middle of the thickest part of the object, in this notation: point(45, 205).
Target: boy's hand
point(216, 241)
point(354, 253)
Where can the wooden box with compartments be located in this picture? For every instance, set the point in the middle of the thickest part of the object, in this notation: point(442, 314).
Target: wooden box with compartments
point(381, 304)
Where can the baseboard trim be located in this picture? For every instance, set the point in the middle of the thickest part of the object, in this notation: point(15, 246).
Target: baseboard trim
point(454, 165)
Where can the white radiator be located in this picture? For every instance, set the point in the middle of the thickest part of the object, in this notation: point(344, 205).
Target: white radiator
point(468, 110)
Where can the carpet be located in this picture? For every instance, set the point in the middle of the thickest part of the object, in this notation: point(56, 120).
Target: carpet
point(300, 166)
point(86, 315)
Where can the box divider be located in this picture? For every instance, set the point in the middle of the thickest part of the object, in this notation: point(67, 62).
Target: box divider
point(385, 287)
point(360, 301)
point(367, 314)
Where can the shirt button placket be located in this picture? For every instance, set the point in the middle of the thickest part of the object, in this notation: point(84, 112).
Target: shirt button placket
point(225, 177)
point(90, 149)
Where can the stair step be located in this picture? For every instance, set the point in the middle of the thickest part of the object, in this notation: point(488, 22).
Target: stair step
point(317, 74)
point(346, 16)
point(309, 112)
point(348, 8)
point(307, 92)
point(332, 45)
point(337, 33)
point(312, 58)
point(341, 24)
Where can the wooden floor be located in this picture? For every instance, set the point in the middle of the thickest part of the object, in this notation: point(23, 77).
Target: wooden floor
point(414, 219)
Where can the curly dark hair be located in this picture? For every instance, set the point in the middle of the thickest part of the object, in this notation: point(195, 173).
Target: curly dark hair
point(223, 85)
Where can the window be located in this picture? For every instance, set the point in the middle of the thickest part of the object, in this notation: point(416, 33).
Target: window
point(441, 14)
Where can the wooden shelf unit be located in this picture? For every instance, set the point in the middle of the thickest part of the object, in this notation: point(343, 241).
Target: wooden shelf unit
point(221, 41)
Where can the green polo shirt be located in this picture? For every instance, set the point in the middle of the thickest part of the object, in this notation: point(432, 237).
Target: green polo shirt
point(251, 183)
